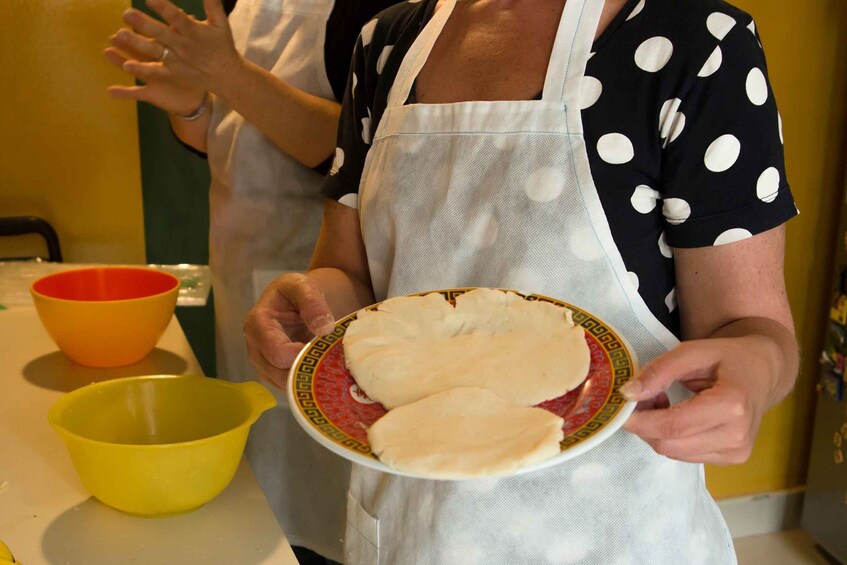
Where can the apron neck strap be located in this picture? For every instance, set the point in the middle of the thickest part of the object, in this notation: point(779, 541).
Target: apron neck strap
point(571, 50)
point(417, 55)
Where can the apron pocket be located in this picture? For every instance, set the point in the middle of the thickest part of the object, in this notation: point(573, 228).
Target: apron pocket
point(362, 544)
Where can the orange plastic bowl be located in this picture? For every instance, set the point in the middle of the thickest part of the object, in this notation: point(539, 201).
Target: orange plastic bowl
point(106, 316)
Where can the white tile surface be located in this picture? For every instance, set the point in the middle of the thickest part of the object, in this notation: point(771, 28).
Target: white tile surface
point(763, 513)
point(793, 547)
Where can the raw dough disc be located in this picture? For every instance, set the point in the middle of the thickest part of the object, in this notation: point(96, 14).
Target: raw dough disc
point(465, 433)
point(415, 346)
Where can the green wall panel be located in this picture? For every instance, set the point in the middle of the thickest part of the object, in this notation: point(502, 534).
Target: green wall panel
point(175, 188)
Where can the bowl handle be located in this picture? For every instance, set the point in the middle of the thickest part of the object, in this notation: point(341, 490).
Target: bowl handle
point(259, 397)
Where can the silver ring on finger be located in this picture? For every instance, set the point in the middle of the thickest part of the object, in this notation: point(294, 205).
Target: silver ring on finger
point(164, 54)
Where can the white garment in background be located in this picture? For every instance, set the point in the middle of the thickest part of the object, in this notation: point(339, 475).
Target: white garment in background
point(265, 212)
point(500, 194)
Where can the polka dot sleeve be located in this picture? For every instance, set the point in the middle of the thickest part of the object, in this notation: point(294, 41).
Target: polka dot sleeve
point(723, 167)
point(354, 127)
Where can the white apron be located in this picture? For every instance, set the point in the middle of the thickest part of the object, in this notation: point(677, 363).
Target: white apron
point(265, 214)
point(500, 194)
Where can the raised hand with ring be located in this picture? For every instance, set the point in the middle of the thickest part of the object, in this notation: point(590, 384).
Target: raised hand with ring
point(179, 48)
point(152, 60)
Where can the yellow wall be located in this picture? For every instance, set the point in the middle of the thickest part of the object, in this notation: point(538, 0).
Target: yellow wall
point(806, 47)
point(68, 152)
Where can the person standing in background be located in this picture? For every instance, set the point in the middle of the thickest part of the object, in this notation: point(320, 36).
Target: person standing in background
point(258, 91)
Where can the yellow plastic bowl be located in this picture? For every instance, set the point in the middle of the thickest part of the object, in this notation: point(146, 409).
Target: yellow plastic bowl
point(160, 444)
point(106, 316)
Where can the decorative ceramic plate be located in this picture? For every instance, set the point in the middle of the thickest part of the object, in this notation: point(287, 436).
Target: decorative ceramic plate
point(330, 406)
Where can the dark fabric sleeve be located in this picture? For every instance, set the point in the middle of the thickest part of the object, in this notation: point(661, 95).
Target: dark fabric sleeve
point(342, 30)
point(342, 184)
point(723, 166)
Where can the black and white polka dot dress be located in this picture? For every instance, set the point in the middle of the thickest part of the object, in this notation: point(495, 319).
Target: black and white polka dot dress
point(536, 196)
point(683, 134)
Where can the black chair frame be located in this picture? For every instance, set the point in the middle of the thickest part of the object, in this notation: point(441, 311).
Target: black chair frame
point(25, 225)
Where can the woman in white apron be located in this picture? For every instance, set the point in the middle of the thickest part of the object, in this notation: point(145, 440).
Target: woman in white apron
point(265, 204)
point(458, 191)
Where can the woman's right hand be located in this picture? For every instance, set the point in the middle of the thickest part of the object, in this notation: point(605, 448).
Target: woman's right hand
point(291, 311)
point(166, 94)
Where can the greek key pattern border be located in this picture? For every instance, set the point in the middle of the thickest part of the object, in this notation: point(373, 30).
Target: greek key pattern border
point(304, 391)
point(619, 358)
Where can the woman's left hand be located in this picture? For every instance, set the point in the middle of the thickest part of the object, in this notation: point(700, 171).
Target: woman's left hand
point(190, 52)
point(740, 356)
point(733, 380)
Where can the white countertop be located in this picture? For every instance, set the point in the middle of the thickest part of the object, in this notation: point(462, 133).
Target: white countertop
point(46, 516)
